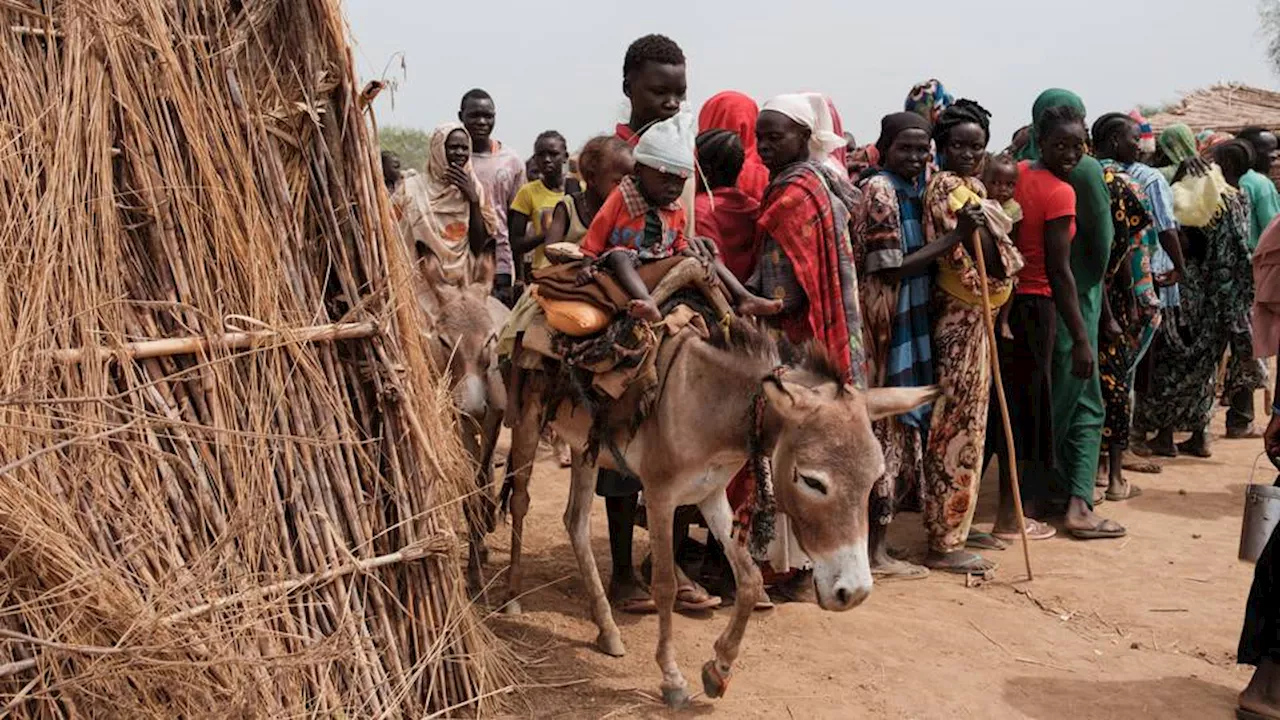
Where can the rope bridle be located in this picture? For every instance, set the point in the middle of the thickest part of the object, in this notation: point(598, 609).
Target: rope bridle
point(756, 516)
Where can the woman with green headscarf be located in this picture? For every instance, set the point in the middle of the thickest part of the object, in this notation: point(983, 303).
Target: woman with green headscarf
point(1077, 405)
point(1178, 145)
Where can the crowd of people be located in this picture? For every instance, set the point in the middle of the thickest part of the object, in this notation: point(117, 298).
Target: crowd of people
point(1117, 263)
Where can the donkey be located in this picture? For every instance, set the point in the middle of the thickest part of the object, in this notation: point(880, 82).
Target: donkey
point(825, 459)
point(463, 339)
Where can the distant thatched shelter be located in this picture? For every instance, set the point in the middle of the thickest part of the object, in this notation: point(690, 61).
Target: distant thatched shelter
point(1228, 107)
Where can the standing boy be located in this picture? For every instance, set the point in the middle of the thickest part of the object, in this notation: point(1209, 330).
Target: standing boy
point(501, 172)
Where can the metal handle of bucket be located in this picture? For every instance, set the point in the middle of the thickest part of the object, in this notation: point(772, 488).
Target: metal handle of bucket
point(1253, 472)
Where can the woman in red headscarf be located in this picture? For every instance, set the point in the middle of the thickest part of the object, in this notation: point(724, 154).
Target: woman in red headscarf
point(731, 110)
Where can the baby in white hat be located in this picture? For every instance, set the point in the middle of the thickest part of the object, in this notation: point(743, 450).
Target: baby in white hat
point(643, 220)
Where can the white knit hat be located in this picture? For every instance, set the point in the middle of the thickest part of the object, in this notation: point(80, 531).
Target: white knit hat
point(667, 146)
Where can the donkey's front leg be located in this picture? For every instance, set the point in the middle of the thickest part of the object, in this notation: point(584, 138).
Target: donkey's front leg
point(661, 515)
point(577, 520)
point(719, 516)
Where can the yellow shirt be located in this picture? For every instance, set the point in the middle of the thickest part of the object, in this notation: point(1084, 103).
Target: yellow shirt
point(537, 201)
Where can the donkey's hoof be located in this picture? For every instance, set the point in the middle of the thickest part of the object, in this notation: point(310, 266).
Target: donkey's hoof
point(512, 607)
point(675, 698)
point(611, 644)
point(714, 683)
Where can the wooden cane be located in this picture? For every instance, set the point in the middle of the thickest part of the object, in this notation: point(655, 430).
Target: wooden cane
point(989, 320)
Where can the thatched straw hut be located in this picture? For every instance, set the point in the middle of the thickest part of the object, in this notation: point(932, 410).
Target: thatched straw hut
point(1227, 108)
point(229, 479)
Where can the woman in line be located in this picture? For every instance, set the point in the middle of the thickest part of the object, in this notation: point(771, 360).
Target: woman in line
point(443, 211)
point(1131, 311)
point(894, 270)
point(1045, 288)
point(1077, 288)
point(737, 113)
point(1216, 293)
point(805, 258)
point(957, 430)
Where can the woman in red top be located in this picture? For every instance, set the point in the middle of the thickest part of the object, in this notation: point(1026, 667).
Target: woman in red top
point(1026, 361)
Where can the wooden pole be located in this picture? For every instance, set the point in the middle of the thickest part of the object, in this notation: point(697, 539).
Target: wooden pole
point(994, 353)
point(230, 341)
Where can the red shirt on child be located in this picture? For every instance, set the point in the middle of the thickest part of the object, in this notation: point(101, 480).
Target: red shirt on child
point(627, 221)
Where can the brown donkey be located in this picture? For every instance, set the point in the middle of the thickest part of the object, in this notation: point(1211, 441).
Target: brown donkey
point(716, 403)
point(463, 338)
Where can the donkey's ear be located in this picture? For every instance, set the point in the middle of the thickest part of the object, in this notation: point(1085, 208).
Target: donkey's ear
point(887, 402)
point(789, 400)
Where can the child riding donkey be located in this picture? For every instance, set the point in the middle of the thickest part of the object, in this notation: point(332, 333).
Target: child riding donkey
point(643, 221)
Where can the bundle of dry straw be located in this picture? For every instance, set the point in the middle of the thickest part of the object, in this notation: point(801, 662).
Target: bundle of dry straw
point(228, 475)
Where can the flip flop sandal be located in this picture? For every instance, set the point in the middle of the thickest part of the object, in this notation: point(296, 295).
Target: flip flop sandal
point(1036, 530)
point(637, 606)
point(694, 598)
point(1161, 451)
point(975, 565)
point(1146, 468)
point(1099, 532)
point(985, 541)
point(1134, 491)
point(915, 572)
point(1099, 495)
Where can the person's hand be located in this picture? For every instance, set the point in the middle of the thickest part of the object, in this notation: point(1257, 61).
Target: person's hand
point(586, 274)
point(1006, 332)
point(1169, 279)
point(969, 218)
point(1271, 439)
point(1082, 360)
point(704, 248)
point(1110, 329)
point(1193, 166)
point(462, 180)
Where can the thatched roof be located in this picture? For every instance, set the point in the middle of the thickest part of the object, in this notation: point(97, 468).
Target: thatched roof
point(1228, 108)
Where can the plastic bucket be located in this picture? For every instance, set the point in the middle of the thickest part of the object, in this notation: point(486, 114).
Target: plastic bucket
point(1261, 515)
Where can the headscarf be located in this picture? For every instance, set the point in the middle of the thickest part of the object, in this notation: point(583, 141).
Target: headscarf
point(435, 213)
point(1209, 139)
point(1178, 143)
point(839, 155)
point(894, 124)
point(1266, 292)
point(1146, 136)
point(1055, 97)
point(813, 111)
point(928, 99)
point(667, 146)
point(736, 112)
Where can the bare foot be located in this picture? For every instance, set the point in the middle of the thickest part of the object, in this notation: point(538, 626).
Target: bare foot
point(1262, 696)
point(754, 306)
point(644, 310)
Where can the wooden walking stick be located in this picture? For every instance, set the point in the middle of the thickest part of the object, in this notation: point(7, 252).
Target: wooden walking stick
point(981, 262)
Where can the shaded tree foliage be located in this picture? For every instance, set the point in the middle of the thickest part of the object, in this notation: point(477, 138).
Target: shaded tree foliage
point(411, 144)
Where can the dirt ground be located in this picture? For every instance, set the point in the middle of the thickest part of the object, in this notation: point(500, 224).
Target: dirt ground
point(1144, 627)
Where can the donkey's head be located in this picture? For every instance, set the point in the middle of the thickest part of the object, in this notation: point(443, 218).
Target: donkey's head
point(464, 326)
point(826, 461)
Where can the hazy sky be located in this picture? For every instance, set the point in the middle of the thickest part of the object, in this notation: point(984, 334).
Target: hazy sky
point(559, 65)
